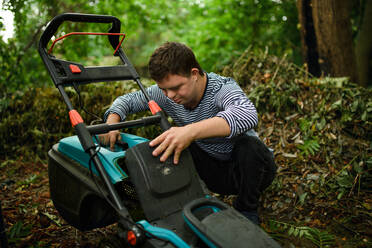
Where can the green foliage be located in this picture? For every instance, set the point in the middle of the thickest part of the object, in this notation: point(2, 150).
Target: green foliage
point(309, 147)
point(320, 130)
point(221, 30)
point(216, 30)
point(318, 237)
point(18, 231)
point(30, 180)
point(352, 175)
point(314, 104)
point(8, 71)
point(36, 119)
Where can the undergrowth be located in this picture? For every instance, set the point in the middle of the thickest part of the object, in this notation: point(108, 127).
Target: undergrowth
point(321, 133)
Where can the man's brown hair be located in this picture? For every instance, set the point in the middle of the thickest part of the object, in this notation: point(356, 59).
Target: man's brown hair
point(172, 58)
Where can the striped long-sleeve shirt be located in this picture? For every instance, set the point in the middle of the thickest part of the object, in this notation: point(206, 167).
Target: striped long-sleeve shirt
point(222, 97)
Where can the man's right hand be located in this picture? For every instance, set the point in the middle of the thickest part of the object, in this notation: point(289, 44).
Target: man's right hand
point(110, 138)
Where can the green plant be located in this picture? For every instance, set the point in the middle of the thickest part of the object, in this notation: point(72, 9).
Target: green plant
point(310, 146)
point(17, 231)
point(320, 238)
point(316, 236)
point(29, 180)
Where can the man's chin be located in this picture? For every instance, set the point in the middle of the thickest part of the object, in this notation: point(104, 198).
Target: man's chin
point(188, 106)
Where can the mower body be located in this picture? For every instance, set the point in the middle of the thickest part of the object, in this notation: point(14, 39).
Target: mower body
point(175, 206)
point(76, 191)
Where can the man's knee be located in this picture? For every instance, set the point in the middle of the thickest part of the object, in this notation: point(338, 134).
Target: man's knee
point(250, 146)
point(251, 153)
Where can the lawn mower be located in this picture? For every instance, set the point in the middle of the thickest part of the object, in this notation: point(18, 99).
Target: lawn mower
point(92, 186)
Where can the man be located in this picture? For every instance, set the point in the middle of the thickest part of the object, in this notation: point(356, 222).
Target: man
point(214, 119)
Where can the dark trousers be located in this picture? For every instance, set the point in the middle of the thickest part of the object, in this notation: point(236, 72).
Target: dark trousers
point(247, 174)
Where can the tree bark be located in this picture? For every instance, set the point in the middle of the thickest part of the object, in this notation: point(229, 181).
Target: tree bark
point(308, 38)
point(363, 47)
point(328, 21)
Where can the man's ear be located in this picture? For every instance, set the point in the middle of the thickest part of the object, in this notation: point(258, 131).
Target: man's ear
point(194, 71)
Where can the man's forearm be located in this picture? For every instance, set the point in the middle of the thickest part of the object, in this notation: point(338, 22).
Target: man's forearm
point(209, 128)
point(113, 118)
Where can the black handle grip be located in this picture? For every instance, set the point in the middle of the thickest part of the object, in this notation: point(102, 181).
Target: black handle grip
point(164, 123)
point(54, 24)
point(104, 127)
point(202, 202)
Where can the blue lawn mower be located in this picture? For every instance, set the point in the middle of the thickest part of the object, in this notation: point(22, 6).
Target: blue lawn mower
point(154, 204)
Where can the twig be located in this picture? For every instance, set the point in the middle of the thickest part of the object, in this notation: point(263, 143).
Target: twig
point(351, 230)
point(301, 69)
point(355, 181)
point(278, 67)
point(342, 169)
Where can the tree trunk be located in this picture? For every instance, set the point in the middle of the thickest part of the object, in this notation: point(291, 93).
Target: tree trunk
point(363, 47)
point(328, 23)
point(308, 39)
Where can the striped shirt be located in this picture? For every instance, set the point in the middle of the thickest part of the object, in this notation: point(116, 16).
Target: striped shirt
point(222, 97)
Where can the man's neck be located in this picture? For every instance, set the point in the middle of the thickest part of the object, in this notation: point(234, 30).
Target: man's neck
point(201, 83)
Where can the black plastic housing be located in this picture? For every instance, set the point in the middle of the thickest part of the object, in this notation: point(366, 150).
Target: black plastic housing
point(225, 227)
point(75, 194)
point(162, 188)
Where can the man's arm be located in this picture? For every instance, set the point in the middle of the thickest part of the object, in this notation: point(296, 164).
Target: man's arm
point(127, 104)
point(237, 116)
point(176, 139)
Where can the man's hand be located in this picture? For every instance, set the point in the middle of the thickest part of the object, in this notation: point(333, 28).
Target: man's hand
point(174, 140)
point(110, 138)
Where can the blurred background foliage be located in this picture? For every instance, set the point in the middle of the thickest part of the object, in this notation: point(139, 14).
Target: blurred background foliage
point(218, 31)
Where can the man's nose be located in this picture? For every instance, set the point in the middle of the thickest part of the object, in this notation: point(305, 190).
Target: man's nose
point(171, 94)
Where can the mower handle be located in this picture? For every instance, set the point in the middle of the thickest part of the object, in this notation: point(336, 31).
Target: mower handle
point(54, 24)
point(105, 128)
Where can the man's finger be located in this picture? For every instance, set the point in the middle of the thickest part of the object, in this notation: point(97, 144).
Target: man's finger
point(167, 153)
point(155, 141)
point(177, 154)
point(100, 139)
point(158, 140)
point(112, 142)
point(163, 146)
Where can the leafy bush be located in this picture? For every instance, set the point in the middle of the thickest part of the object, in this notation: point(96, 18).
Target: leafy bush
point(32, 121)
point(321, 133)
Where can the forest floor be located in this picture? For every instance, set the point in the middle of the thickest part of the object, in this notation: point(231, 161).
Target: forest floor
point(29, 214)
point(32, 221)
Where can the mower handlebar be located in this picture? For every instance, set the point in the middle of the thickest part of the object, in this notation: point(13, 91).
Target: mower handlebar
point(54, 24)
point(104, 128)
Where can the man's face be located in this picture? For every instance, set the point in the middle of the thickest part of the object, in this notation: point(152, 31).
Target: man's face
point(180, 89)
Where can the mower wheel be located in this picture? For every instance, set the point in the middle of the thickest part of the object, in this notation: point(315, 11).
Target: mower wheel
point(112, 241)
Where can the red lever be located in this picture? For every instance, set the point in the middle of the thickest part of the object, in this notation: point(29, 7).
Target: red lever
point(74, 68)
point(131, 237)
point(75, 117)
point(154, 107)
